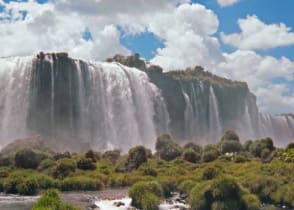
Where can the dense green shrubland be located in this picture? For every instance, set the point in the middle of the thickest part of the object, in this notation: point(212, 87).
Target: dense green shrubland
point(225, 175)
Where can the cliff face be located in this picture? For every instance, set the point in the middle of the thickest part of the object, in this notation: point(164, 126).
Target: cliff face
point(202, 105)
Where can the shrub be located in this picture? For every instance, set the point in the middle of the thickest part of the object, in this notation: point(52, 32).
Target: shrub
point(150, 202)
point(229, 146)
point(265, 153)
point(50, 200)
point(290, 145)
point(193, 146)
point(59, 156)
point(250, 201)
point(46, 182)
point(191, 156)
point(5, 161)
point(64, 167)
point(223, 193)
point(86, 164)
point(167, 148)
point(241, 158)
point(186, 186)
point(27, 159)
point(94, 156)
point(46, 164)
point(80, 183)
point(145, 195)
point(200, 197)
point(247, 144)
point(4, 172)
point(209, 173)
point(10, 184)
point(230, 135)
point(148, 171)
point(136, 157)
point(27, 187)
point(112, 155)
point(258, 146)
point(210, 153)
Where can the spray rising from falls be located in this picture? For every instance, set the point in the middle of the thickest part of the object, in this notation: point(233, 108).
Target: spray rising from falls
point(15, 74)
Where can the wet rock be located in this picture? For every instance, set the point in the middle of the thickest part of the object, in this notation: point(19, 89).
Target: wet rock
point(118, 204)
point(93, 206)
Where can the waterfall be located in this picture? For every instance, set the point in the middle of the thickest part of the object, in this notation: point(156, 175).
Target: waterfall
point(121, 106)
point(279, 127)
point(15, 77)
point(106, 105)
point(189, 116)
point(215, 128)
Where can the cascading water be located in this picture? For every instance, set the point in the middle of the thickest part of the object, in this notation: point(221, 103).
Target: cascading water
point(15, 77)
point(104, 105)
point(215, 128)
point(108, 105)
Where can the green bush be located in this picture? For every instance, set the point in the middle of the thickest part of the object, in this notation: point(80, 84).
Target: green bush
point(80, 184)
point(265, 153)
point(191, 156)
point(290, 145)
point(112, 155)
point(222, 193)
point(146, 195)
point(64, 168)
point(137, 156)
point(10, 184)
point(209, 173)
point(250, 201)
point(148, 171)
point(46, 164)
point(150, 201)
point(193, 146)
point(247, 145)
point(166, 148)
point(287, 156)
point(94, 156)
point(200, 197)
point(5, 161)
point(29, 186)
point(4, 172)
point(86, 164)
point(229, 146)
point(186, 186)
point(50, 200)
point(58, 156)
point(230, 135)
point(46, 182)
point(210, 153)
point(27, 159)
point(257, 147)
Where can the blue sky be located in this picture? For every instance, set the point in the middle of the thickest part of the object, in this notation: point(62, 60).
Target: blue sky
point(250, 40)
point(269, 11)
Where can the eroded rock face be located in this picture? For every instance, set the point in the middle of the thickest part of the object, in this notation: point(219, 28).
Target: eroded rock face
point(202, 106)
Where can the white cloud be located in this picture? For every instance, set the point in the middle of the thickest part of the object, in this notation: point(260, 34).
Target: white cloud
point(187, 31)
point(255, 34)
point(259, 72)
point(48, 29)
point(187, 34)
point(225, 3)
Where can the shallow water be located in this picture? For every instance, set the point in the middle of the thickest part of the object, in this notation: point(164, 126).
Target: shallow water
point(14, 202)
